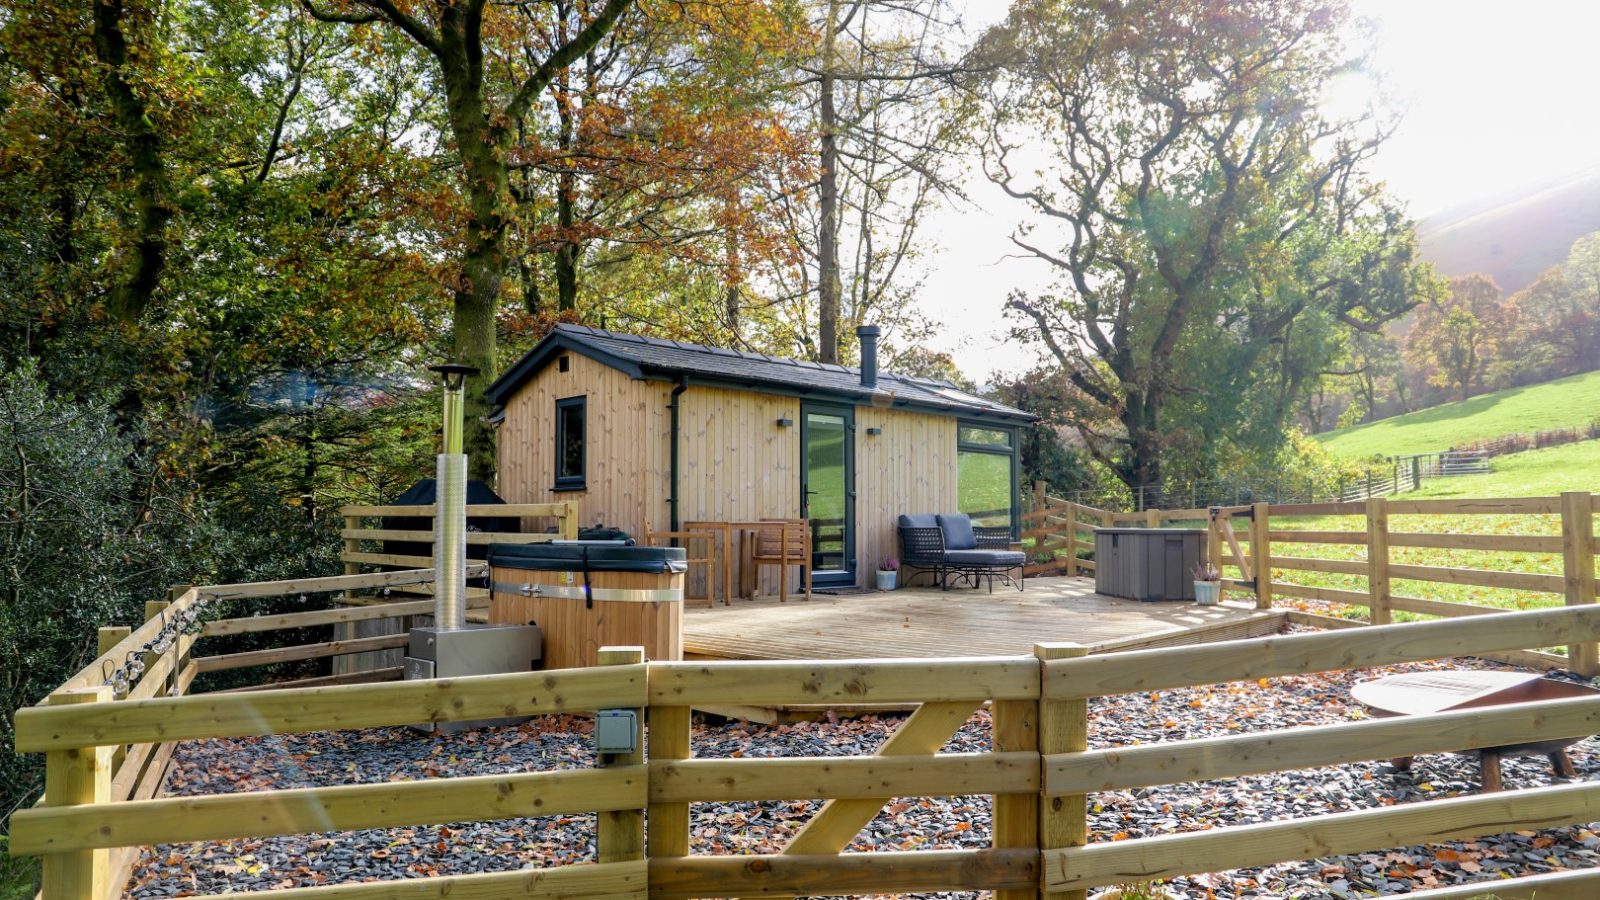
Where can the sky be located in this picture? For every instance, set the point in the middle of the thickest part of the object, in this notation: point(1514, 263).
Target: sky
point(1496, 96)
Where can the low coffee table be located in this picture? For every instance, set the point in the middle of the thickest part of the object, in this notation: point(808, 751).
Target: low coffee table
point(1429, 692)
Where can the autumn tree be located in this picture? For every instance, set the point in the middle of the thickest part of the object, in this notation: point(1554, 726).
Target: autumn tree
point(642, 192)
point(873, 94)
point(490, 70)
point(1210, 225)
point(1558, 317)
point(1455, 341)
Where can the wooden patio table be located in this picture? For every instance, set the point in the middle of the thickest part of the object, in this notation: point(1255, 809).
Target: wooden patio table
point(1415, 693)
point(725, 531)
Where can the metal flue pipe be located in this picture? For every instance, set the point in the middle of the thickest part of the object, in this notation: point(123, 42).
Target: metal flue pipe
point(450, 508)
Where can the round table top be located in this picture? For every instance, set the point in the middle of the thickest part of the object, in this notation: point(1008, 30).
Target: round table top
point(1427, 692)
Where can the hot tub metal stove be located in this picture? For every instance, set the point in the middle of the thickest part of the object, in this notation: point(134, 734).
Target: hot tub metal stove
point(451, 647)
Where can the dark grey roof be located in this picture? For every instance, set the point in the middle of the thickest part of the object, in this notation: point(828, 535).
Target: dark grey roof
point(645, 357)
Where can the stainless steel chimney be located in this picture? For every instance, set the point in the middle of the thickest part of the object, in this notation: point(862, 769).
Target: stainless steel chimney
point(451, 647)
point(450, 510)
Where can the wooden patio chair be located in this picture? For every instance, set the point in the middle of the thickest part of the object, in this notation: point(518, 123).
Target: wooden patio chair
point(708, 540)
point(782, 543)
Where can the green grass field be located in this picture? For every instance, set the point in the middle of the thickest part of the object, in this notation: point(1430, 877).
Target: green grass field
point(1534, 473)
point(1563, 403)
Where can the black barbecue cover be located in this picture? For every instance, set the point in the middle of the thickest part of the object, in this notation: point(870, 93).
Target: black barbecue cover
point(423, 493)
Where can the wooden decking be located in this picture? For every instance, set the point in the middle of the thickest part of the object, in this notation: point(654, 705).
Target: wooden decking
point(930, 623)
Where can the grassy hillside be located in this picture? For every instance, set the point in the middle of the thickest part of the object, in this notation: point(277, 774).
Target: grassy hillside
point(1514, 237)
point(1565, 402)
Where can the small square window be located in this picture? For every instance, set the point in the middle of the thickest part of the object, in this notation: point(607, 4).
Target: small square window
point(571, 443)
point(563, 363)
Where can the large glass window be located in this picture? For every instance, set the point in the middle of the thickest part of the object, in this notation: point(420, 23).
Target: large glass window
point(986, 474)
point(571, 443)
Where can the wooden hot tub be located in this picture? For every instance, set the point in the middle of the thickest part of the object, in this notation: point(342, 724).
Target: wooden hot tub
point(587, 596)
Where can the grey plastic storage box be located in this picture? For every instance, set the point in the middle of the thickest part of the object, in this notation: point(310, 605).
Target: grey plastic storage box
point(1147, 563)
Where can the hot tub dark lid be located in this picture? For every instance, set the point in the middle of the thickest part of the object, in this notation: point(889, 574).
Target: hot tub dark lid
point(579, 557)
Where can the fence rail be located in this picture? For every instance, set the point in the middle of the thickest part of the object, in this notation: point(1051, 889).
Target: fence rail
point(355, 534)
point(1273, 553)
point(1040, 768)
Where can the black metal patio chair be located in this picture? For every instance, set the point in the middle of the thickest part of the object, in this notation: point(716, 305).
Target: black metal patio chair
point(951, 546)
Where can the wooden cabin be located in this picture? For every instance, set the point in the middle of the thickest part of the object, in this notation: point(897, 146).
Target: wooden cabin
point(646, 430)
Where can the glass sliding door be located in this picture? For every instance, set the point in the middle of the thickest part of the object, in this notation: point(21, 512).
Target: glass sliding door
point(828, 490)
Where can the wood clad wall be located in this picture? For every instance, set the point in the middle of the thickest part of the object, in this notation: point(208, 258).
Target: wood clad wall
point(909, 468)
point(627, 462)
point(735, 463)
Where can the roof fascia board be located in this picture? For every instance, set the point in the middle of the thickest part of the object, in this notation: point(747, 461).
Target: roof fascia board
point(857, 399)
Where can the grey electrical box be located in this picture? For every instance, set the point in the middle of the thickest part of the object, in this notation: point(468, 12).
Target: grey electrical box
point(616, 731)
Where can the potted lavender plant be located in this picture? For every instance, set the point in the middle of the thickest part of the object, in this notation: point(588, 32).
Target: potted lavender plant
point(888, 571)
point(1207, 584)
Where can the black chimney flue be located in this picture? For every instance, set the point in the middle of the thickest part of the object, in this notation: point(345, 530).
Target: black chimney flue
point(869, 355)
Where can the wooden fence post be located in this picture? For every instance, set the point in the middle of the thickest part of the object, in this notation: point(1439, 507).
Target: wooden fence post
point(620, 834)
point(352, 545)
point(669, 738)
point(569, 523)
point(110, 636)
point(1214, 541)
point(1014, 726)
point(1577, 550)
point(179, 660)
point(1063, 728)
point(1261, 554)
point(77, 777)
point(153, 609)
point(1152, 518)
point(1378, 560)
point(343, 631)
point(1072, 539)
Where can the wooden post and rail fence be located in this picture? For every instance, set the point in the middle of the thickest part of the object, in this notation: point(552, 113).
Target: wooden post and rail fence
point(1042, 767)
point(1241, 543)
point(356, 532)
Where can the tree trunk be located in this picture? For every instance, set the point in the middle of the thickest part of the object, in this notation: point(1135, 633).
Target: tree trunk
point(483, 263)
point(828, 196)
point(531, 301)
point(308, 440)
point(1142, 470)
point(566, 256)
point(150, 213)
point(475, 346)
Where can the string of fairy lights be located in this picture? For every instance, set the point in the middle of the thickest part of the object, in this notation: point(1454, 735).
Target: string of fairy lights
point(187, 621)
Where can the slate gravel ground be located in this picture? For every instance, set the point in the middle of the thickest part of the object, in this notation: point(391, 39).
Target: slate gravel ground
point(558, 742)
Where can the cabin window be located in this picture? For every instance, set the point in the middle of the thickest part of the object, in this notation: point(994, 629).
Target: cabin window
point(986, 474)
point(571, 443)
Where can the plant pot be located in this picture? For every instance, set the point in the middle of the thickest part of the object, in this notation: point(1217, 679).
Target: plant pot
point(1207, 593)
point(886, 579)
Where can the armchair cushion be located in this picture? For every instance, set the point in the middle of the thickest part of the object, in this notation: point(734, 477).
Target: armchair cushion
point(925, 520)
point(958, 534)
point(986, 557)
